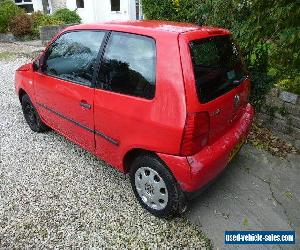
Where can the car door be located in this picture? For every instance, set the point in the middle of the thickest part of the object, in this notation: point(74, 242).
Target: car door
point(64, 88)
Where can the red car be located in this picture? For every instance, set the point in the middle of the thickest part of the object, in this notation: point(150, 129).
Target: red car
point(165, 102)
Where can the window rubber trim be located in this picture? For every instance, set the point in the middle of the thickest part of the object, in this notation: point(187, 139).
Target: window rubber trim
point(99, 85)
point(95, 82)
point(97, 62)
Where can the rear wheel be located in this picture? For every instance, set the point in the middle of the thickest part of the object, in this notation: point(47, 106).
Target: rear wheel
point(31, 115)
point(155, 187)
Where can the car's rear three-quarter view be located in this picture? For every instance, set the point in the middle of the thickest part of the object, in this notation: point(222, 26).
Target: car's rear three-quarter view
point(165, 102)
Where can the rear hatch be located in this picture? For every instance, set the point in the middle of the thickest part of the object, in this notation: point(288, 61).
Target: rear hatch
point(217, 83)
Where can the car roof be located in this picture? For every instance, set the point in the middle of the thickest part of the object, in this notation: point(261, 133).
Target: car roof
point(150, 25)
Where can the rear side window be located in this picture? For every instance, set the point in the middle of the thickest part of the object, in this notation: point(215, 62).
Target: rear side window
point(218, 67)
point(128, 65)
point(73, 55)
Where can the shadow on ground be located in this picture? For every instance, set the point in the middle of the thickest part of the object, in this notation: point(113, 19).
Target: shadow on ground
point(257, 191)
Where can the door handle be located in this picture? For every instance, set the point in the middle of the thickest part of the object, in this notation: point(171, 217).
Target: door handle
point(85, 105)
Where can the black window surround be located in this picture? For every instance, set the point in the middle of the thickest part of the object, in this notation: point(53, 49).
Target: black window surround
point(95, 81)
point(115, 5)
point(80, 3)
point(26, 5)
point(23, 1)
point(217, 65)
point(96, 64)
point(136, 79)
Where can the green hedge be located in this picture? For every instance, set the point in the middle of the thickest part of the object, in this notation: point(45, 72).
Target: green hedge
point(20, 25)
point(40, 19)
point(67, 16)
point(14, 19)
point(8, 10)
point(267, 31)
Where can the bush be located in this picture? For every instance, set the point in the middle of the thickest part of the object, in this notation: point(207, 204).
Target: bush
point(67, 16)
point(20, 25)
point(40, 19)
point(291, 85)
point(261, 84)
point(8, 10)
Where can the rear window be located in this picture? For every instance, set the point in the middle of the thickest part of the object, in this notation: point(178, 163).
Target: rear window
point(218, 67)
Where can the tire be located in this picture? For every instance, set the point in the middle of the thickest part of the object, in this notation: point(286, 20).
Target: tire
point(31, 116)
point(155, 187)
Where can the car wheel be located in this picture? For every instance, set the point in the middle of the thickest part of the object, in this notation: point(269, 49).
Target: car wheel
point(31, 115)
point(155, 187)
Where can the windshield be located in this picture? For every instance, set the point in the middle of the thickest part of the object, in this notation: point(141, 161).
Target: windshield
point(218, 67)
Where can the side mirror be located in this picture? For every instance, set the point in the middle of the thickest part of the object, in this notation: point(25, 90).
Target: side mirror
point(36, 65)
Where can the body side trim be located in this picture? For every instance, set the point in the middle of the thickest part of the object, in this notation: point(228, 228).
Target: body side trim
point(111, 140)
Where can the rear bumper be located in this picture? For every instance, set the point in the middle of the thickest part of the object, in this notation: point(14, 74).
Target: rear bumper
point(194, 172)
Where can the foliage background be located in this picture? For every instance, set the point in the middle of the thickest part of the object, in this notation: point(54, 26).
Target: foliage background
point(67, 16)
point(268, 33)
point(20, 25)
point(14, 19)
point(40, 19)
point(8, 10)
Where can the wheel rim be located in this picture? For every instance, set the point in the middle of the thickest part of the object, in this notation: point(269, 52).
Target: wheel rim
point(30, 115)
point(151, 188)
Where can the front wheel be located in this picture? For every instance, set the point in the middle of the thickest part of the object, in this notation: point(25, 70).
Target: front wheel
point(155, 187)
point(31, 115)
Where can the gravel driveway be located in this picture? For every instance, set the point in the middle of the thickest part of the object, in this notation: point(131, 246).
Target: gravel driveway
point(54, 194)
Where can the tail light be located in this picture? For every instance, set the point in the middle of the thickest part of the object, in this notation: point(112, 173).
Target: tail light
point(195, 135)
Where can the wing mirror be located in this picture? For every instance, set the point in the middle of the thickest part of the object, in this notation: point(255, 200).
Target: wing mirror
point(36, 65)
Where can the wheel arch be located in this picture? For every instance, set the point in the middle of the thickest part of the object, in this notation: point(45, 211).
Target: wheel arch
point(133, 154)
point(21, 93)
point(136, 152)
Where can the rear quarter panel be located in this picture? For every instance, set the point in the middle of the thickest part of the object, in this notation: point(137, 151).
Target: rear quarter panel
point(154, 125)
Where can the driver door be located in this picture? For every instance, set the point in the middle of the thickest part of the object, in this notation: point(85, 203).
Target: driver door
point(63, 85)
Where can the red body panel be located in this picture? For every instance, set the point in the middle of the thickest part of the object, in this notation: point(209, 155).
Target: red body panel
point(24, 80)
point(118, 123)
point(57, 98)
point(134, 122)
point(210, 161)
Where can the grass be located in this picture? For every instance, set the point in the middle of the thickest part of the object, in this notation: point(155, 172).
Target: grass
point(6, 55)
point(288, 195)
point(245, 222)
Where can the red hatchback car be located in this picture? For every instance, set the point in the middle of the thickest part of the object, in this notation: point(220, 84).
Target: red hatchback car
point(166, 102)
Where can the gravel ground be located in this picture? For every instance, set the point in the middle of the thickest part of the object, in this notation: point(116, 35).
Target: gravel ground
point(21, 47)
point(15, 50)
point(53, 194)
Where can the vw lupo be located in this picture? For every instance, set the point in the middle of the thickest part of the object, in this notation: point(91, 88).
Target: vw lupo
point(165, 102)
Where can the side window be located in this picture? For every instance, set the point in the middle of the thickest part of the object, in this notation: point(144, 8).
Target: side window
point(73, 55)
point(80, 3)
point(115, 5)
point(129, 65)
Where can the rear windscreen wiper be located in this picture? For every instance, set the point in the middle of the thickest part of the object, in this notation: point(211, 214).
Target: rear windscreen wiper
point(237, 82)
